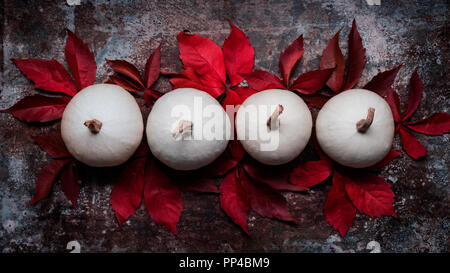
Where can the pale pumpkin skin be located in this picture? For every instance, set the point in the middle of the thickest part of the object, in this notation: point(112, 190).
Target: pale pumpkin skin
point(185, 152)
point(121, 130)
point(294, 129)
point(337, 133)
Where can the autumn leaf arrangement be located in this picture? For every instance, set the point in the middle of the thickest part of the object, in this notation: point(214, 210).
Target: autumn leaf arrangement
point(226, 73)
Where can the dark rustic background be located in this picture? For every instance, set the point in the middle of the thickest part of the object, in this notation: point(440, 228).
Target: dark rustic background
point(414, 33)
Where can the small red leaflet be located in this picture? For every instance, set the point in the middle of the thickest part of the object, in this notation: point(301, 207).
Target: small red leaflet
point(126, 195)
point(38, 108)
point(234, 200)
point(162, 198)
point(339, 211)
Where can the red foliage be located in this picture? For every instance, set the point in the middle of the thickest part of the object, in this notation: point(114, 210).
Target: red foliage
point(234, 200)
point(51, 76)
point(38, 108)
point(69, 184)
point(126, 195)
point(356, 60)
point(339, 211)
point(48, 175)
point(128, 76)
point(436, 124)
point(162, 198)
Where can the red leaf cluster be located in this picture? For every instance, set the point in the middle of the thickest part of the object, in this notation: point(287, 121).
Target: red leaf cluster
point(307, 84)
point(247, 187)
point(352, 189)
point(206, 65)
point(145, 178)
point(128, 77)
point(61, 167)
point(436, 124)
point(332, 57)
point(50, 75)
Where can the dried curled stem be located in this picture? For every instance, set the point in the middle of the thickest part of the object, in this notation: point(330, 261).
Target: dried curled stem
point(363, 125)
point(94, 125)
point(274, 122)
point(184, 128)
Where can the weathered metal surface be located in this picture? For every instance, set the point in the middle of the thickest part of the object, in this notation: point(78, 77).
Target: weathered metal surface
point(414, 33)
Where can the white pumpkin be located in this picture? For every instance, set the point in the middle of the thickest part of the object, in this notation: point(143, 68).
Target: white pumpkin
point(187, 129)
point(102, 125)
point(274, 126)
point(355, 128)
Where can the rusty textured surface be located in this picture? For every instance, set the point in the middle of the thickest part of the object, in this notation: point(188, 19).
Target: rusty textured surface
point(411, 32)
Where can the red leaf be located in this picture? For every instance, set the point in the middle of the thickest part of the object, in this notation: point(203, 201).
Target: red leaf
point(238, 54)
point(338, 209)
point(152, 67)
point(276, 177)
point(38, 108)
point(120, 219)
point(415, 94)
point(289, 58)
point(412, 145)
point(236, 149)
point(148, 96)
point(332, 58)
point(124, 83)
point(162, 199)
point(232, 98)
point(186, 83)
point(316, 100)
point(262, 80)
point(394, 102)
point(370, 194)
point(382, 82)
point(126, 69)
point(437, 124)
point(203, 185)
point(46, 178)
point(219, 167)
point(310, 82)
point(234, 200)
point(310, 173)
point(47, 75)
point(205, 57)
point(52, 145)
point(80, 60)
point(244, 92)
point(126, 195)
point(142, 150)
point(189, 79)
point(356, 58)
point(70, 185)
point(386, 160)
point(266, 201)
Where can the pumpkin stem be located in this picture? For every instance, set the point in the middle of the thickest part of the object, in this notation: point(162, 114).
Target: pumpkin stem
point(94, 125)
point(363, 125)
point(184, 127)
point(274, 122)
